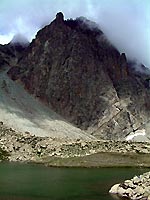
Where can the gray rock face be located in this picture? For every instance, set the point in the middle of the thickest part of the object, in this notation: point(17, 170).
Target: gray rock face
point(78, 73)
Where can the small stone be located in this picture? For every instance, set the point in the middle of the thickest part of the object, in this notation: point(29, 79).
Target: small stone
point(129, 191)
point(136, 180)
point(129, 183)
point(39, 151)
point(121, 191)
point(44, 146)
point(114, 189)
point(139, 190)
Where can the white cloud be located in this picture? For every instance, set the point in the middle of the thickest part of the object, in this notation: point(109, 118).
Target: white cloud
point(125, 22)
point(4, 39)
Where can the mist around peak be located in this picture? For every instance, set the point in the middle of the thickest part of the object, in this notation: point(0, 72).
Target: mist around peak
point(124, 22)
point(19, 39)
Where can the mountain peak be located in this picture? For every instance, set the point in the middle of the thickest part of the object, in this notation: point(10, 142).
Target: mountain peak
point(72, 67)
point(19, 39)
point(59, 17)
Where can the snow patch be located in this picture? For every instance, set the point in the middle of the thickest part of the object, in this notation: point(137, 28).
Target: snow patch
point(137, 133)
point(138, 136)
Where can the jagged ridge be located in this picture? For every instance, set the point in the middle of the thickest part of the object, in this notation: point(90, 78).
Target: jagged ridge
point(75, 70)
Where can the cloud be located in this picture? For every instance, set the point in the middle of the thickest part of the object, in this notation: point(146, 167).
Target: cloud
point(125, 22)
point(4, 39)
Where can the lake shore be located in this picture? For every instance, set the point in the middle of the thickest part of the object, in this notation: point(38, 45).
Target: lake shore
point(24, 147)
point(106, 159)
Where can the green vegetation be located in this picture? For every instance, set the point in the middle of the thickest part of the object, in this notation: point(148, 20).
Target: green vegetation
point(101, 160)
point(3, 155)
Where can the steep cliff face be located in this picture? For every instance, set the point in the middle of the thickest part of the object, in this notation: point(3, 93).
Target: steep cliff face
point(73, 68)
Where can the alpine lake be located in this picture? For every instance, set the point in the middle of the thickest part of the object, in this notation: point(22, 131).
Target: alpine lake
point(37, 182)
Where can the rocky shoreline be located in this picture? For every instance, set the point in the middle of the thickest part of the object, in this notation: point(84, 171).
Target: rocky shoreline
point(138, 188)
point(24, 147)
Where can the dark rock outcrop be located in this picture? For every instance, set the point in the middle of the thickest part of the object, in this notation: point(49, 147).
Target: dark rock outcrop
point(11, 52)
point(73, 68)
point(6, 55)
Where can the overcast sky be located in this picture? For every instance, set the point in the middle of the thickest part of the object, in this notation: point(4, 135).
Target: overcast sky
point(125, 22)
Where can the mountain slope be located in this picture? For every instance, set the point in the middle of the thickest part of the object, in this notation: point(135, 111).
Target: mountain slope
point(22, 112)
point(74, 70)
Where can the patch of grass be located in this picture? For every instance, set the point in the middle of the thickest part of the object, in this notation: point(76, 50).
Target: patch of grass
point(3, 155)
point(101, 160)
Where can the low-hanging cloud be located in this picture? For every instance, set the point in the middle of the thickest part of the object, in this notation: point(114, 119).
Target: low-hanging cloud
point(124, 22)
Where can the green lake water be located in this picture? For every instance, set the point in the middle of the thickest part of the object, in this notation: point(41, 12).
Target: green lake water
point(30, 182)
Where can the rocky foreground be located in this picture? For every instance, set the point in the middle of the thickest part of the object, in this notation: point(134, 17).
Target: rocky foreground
point(136, 188)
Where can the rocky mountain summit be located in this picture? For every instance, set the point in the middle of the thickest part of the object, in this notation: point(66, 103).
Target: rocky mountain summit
point(73, 68)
